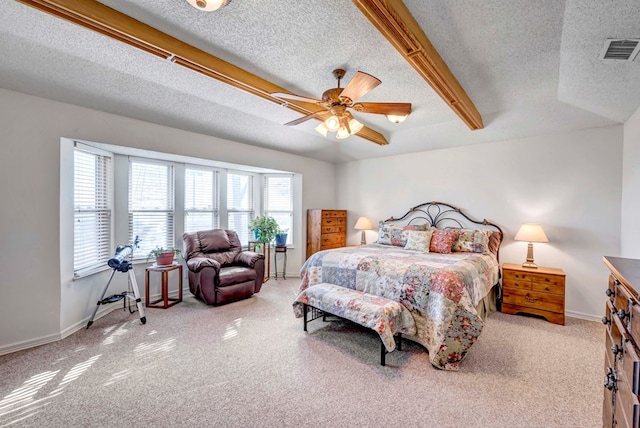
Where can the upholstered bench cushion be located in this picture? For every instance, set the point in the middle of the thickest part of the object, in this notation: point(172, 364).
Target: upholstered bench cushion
point(382, 315)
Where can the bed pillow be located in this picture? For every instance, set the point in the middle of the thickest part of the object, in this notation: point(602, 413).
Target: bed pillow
point(494, 242)
point(396, 235)
point(442, 241)
point(418, 240)
point(472, 241)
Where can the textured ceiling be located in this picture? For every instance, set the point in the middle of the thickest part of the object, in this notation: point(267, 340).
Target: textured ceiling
point(530, 68)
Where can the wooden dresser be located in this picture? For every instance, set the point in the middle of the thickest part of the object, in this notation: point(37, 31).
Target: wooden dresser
point(621, 407)
point(534, 291)
point(326, 229)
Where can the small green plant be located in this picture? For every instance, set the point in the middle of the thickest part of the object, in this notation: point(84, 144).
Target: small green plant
point(153, 254)
point(264, 228)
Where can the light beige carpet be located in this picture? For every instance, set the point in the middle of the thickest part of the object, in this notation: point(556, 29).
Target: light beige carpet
point(249, 364)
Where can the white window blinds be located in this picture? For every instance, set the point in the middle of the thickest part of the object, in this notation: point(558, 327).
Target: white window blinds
point(278, 201)
point(240, 204)
point(151, 205)
point(92, 205)
point(201, 209)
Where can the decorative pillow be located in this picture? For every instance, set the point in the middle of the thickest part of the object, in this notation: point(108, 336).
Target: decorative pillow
point(442, 241)
point(418, 240)
point(472, 241)
point(494, 242)
point(396, 235)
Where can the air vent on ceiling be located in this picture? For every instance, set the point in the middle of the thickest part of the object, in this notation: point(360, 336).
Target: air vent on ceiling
point(620, 49)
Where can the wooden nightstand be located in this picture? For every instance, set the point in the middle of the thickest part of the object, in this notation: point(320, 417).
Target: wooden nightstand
point(535, 291)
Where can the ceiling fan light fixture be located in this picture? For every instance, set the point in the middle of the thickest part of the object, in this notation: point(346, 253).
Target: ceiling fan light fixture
point(342, 133)
point(321, 129)
point(355, 126)
point(332, 123)
point(208, 5)
point(395, 118)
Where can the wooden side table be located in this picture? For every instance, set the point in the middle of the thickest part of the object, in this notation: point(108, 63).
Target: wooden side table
point(164, 298)
point(534, 291)
point(266, 250)
point(280, 250)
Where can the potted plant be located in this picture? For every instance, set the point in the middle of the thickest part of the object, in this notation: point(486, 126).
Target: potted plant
point(281, 237)
point(164, 256)
point(264, 228)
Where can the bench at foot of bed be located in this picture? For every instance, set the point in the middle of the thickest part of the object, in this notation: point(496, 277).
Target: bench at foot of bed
point(387, 318)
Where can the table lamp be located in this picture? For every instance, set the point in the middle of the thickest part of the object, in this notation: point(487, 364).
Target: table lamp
point(363, 224)
point(530, 233)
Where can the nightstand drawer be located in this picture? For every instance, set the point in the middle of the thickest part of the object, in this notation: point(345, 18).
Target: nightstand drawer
point(333, 213)
point(548, 287)
point(532, 299)
point(333, 239)
point(516, 276)
point(332, 229)
point(516, 283)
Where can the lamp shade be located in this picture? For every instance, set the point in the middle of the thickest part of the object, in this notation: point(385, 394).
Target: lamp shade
point(531, 233)
point(363, 223)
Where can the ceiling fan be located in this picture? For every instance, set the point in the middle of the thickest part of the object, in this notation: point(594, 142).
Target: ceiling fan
point(337, 118)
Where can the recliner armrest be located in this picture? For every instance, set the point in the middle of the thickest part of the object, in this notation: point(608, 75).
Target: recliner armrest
point(248, 258)
point(196, 264)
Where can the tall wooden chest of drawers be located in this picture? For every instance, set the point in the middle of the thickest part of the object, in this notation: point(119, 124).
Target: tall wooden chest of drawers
point(621, 405)
point(534, 291)
point(326, 229)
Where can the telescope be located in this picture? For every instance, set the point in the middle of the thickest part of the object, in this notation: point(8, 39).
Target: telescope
point(120, 263)
point(119, 260)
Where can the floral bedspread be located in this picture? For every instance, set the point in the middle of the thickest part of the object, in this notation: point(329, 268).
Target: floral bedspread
point(441, 291)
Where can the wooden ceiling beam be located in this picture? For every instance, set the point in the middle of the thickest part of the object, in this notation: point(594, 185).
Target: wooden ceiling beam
point(396, 23)
point(112, 23)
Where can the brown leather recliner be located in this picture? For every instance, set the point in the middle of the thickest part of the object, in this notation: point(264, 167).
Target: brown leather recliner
point(219, 271)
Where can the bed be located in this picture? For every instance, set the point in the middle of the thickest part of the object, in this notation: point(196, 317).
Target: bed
point(448, 293)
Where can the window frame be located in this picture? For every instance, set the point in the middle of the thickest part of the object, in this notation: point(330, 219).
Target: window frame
point(215, 211)
point(104, 248)
point(171, 212)
point(270, 212)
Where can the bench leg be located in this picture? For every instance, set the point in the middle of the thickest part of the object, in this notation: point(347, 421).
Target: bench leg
point(383, 353)
point(399, 345)
point(305, 307)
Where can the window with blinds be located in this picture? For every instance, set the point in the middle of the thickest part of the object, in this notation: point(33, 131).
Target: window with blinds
point(201, 208)
point(240, 204)
point(278, 201)
point(92, 205)
point(151, 204)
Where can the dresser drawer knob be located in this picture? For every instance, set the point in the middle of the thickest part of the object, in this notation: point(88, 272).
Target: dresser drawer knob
point(621, 314)
point(547, 279)
point(606, 320)
point(610, 380)
point(616, 350)
point(609, 292)
point(546, 288)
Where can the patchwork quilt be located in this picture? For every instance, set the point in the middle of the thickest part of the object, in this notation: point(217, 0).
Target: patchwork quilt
point(441, 291)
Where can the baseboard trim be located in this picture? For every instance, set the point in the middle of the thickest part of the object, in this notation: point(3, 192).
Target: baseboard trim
point(54, 337)
point(583, 316)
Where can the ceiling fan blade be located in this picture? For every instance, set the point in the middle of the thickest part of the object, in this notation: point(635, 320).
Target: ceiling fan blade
point(373, 136)
point(359, 85)
point(318, 114)
point(286, 96)
point(400, 109)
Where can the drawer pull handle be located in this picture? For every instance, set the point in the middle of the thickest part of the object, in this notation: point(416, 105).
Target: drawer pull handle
point(606, 320)
point(530, 299)
point(546, 279)
point(616, 350)
point(610, 380)
point(609, 292)
point(621, 314)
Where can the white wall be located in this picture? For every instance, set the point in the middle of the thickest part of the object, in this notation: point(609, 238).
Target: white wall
point(32, 307)
point(570, 183)
point(631, 188)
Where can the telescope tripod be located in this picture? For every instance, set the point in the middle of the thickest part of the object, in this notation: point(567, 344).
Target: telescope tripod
point(125, 267)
